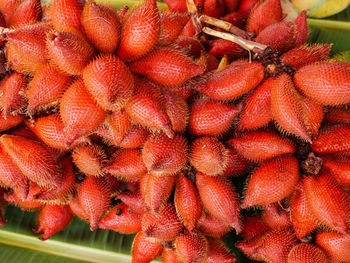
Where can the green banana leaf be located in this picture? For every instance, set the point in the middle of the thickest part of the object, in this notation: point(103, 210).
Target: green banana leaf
point(77, 243)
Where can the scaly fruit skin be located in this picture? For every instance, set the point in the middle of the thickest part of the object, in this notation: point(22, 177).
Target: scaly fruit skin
point(328, 202)
point(301, 29)
point(140, 31)
point(27, 12)
point(335, 245)
point(235, 165)
point(109, 81)
point(89, 159)
point(246, 6)
point(339, 168)
point(52, 219)
point(65, 15)
point(337, 116)
point(275, 217)
point(7, 8)
point(327, 83)
point(171, 25)
point(272, 246)
point(313, 115)
point(218, 252)
point(177, 111)
point(306, 253)
point(272, 182)
point(121, 220)
point(253, 226)
point(212, 227)
point(191, 248)
point(77, 210)
point(220, 199)
point(221, 47)
point(134, 201)
point(214, 8)
point(169, 255)
point(187, 202)
point(102, 26)
point(10, 122)
point(144, 249)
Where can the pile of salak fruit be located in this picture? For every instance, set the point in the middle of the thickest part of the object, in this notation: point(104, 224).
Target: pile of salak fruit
point(140, 121)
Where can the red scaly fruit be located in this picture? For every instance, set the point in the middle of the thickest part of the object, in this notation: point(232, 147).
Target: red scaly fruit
point(210, 118)
point(188, 30)
point(302, 218)
point(162, 154)
point(246, 6)
point(77, 210)
point(133, 200)
point(212, 227)
point(127, 165)
point(301, 28)
point(286, 107)
point(113, 183)
point(169, 255)
point(109, 81)
point(253, 226)
point(32, 159)
point(168, 66)
point(191, 248)
point(336, 246)
point(257, 108)
point(156, 189)
point(208, 156)
point(260, 146)
point(121, 220)
point(52, 219)
point(171, 25)
point(306, 54)
point(190, 45)
point(339, 168)
point(187, 202)
point(177, 111)
point(272, 182)
point(214, 8)
point(119, 123)
point(10, 121)
point(231, 5)
point(337, 116)
point(258, 20)
point(68, 51)
point(136, 137)
point(272, 246)
point(7, 8)
point(144, 249)
point(334, 140)
point(229, 83)
point(218, 252)
point(24, 204)
point(313, 115)
point(146, 107)
point(328, 202)
point(306, 253)
point(176, 5)
point(220, 199)
point(65, 15)
point(164, 225)
point(94, 197)
point(25, 132)
point(12, 89)
point(140, 31)
point(46, 88)
point(221, 47)
point(27, 12)
point(79, 113)
point(235, 18)
point(26, 48)
point(11, 176)
point(102, 26)
point(275, 217)
point(2, 204)
point(325, 82)
point(235, 165)
point(184, 91)
point(89, 159)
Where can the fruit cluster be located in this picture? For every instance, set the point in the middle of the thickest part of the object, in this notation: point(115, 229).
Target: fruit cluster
point(99, 106)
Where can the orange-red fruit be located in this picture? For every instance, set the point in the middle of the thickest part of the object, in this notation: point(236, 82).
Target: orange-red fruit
point(253, 226)
point(80, 114)
point(212, 227)
point(144, 249)
point(140, 31)
point(109, 81)
point(272, 182)
point(302, 218)
point(7, 8)
point(275, 217)
point(68, 51)
point(169, 255)
point(89, 159)
point(168, 66)
point(134, 201)
point(12, 90)
point(208, 156)
point(336, 246)
point(260, 146)
point(218, 252)
point(102, 26)
point(94, 198)
point(46, 88)
point(76, 209)
point(306, 253)
point(136, 137)
point(187, 202)
point(246, 6)
point(171, 25)
point(214, 8)
point(119, 123)
point(127, 165)
point(33, 160)
point(191, 248)
point(10, 121)
point(272, 246)
point(313, 115)
point(210, 118)
point(220, 199)
point(120, 219)
point(339, 168)
point(301, 29)
point(164, 225)
point(221, 47)
point(29, 203)
point(286, 107)
point(328, 202)
point(258, 20)
point(231, 5)
point(162, 154)
point(337, 116)
point(235, 165)
point(52, 219)
point(177, 111)
point(27, 12)
point(326, 83)
point(65, 15)
point(230, 83)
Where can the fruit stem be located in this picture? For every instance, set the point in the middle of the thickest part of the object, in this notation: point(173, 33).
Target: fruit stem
point(192, 9)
